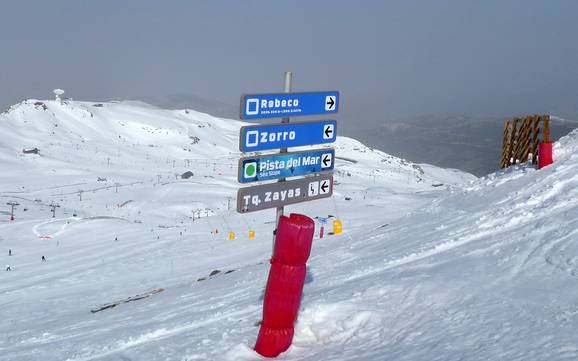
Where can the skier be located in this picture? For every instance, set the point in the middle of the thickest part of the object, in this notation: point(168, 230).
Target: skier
point(8, 268)
point(115, 239)
point(43, 259)
point(10, 252)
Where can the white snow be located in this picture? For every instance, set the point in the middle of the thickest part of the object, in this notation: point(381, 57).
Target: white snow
point(433, 264)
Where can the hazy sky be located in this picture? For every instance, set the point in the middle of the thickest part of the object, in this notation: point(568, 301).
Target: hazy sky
point(388, 58)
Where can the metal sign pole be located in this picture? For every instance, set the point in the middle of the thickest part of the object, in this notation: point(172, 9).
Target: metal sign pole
point(288, 79)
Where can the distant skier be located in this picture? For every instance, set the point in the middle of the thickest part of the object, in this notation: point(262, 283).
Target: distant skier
point(8, 268)
point(43, 259)
point(9, 252)
point(115, 239)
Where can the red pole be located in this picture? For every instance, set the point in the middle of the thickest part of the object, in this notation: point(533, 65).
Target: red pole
point(545, 154)
point(285, 284)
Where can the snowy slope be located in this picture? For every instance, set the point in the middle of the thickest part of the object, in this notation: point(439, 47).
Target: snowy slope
point(433, 264)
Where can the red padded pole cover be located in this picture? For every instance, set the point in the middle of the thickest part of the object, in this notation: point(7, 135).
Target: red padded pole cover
point(283, 295)
point(545, 154)
point(285, 284)
point(293, 240)
point(271, 342)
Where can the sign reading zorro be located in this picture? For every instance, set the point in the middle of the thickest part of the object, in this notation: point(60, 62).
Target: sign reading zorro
point(284, 135)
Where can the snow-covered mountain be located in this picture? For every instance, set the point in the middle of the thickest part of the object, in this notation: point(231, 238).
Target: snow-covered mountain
point(112, 153)
point(472, 144)
point(433, 264)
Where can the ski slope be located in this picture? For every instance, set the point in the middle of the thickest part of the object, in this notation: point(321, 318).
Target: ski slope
point(434, 264)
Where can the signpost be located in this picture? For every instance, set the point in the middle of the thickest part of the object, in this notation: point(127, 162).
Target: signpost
point(285, 135)
point(276, 105)
point(260, 137)
point(285, 120)
point(283, 165)
point(257, 198)
point(316, 165)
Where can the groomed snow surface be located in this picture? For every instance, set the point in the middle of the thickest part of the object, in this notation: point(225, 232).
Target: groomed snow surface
point(433, 264)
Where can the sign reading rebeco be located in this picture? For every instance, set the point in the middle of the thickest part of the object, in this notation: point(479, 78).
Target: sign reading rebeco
point(276, 105)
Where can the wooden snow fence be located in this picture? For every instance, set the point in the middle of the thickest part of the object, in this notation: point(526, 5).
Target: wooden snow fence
point(522, 139)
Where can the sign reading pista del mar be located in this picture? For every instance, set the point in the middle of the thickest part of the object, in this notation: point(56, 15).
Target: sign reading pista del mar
point(275, 166)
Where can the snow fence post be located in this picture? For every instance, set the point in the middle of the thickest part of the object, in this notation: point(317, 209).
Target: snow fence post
point(545, 151)
point(285, 284)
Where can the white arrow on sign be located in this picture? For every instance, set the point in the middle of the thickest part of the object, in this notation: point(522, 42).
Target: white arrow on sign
point(328, 131)
point(324, 186)
point(326, 160)
point(330, 102)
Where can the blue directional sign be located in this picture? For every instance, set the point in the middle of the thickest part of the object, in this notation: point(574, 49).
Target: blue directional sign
point(278, 105)
point(285, 135)
point(283, 165)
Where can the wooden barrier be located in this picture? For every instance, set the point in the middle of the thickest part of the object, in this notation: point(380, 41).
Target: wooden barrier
point(546, 137)
point(522, 138)
point(506, 148)
point(535, 138)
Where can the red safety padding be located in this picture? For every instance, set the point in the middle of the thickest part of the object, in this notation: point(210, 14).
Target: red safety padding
point(271, 342)
point(294, 239)
point(283, 295)
point(545, 154)
point(285, 284)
